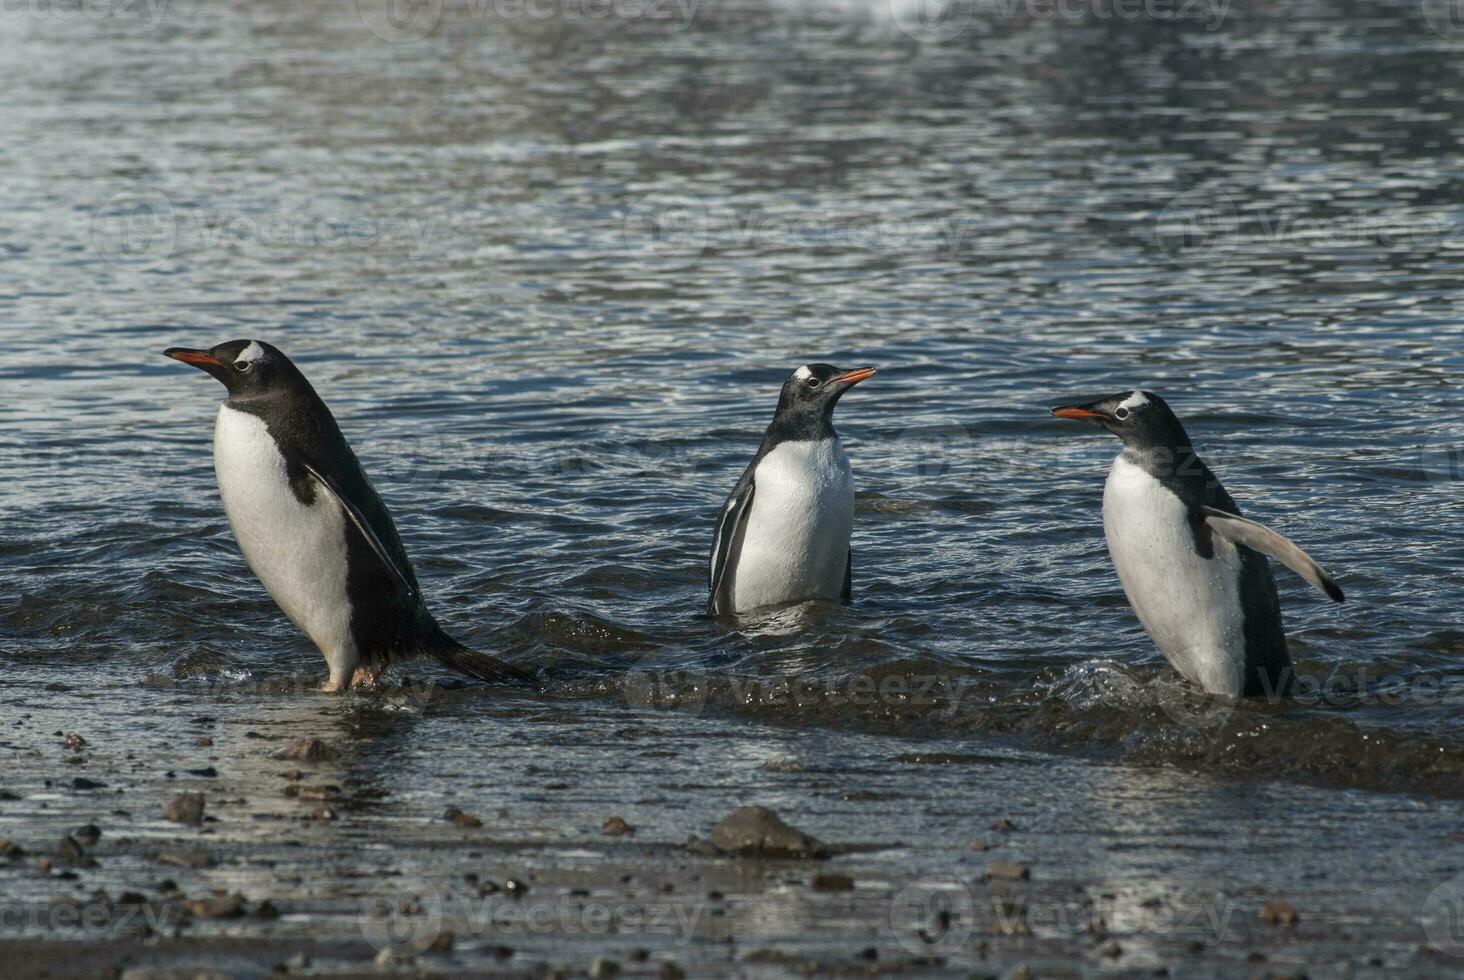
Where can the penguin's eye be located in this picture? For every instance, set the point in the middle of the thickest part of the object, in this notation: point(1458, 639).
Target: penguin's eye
point(1121, 414)
point(243, 366)
point(813, 382)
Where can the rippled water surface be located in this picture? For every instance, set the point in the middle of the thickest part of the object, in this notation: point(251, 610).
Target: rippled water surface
point(550, 272)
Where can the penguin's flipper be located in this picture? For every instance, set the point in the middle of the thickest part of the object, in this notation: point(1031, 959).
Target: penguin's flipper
point(364, 526)
point(1258, 537)
point(848, 595)
point(734, 512)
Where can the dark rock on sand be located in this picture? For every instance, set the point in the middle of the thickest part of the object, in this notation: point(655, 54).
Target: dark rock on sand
point(87, 835)
point(1279, 913)
point(192, 857)
point(460, 818)
point(755, 831)
point(216, 907)
point(833, 883)
point(309, 750)
point(1007, 871)
point(81, 782)
point(73, 741)
point(617, 827)
point(187, 808)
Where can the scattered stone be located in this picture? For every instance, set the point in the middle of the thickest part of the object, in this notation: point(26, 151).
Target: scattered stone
point(460, 818)
point(81, 782)
point(442, 942)
point(833, 883)
point(1007, 871)
point(617, 827)
point(207, 772)
point(1004, 826)
point(1112, 950)
point(294, 775)
point(87, 834)
point(1022, 972)
point(216, 907)
point(1279, 913)
point(203, 741)
point(981, 845)
point(187, 808)
point(639, 955)
point(309, 750)
point(44, 866)
point(10, 850)
point(322, 792)
point(73, 741)
point(5, 794)
point(515, 888)
point(755, 831)
point(323, 813)
point(265, 911)
point(603, 967)
point(192, 857)
point(671, 971)
point(69, 849)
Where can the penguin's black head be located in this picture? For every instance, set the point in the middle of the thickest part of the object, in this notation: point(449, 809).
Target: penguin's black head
point(1140, 418)
point(246, 367)
point(815, 389)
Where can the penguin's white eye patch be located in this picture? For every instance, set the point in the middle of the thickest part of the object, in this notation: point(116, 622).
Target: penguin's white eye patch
point(249, 355)
point(1134, 400)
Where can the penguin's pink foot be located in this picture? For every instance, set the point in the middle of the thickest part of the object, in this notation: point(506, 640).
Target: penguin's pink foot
point(333, 686)
point(366, 677)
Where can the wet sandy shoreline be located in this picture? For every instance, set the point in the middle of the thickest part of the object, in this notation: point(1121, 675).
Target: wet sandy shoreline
point(945, 860)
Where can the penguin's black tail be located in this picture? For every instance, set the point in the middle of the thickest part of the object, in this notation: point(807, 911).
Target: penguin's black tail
point(465, 660)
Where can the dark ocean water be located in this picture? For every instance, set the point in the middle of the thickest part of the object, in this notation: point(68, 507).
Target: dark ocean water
point(550, 271)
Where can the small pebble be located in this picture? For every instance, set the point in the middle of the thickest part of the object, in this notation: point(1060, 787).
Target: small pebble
point(73, 741)
point(1007, 871)
point(604, 967)
point(833, 883)
point(1279, 913)
point(187, 809)
point(617, 827)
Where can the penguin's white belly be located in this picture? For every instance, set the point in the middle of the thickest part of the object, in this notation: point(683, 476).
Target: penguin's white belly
point(795, 544)
point(1189, 605)
point(298, 551)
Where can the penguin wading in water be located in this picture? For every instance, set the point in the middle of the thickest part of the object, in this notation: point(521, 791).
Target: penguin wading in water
point(783, 534)
point(312, 527)
point(1193, 569)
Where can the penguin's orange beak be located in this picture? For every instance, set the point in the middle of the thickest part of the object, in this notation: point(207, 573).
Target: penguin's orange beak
point(855, 376)
point(1080, 414)
point(198, 358)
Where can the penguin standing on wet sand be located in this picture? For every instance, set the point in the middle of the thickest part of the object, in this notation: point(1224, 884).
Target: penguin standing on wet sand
point(1193, 569)
point(312, 527)
point(783, 534)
